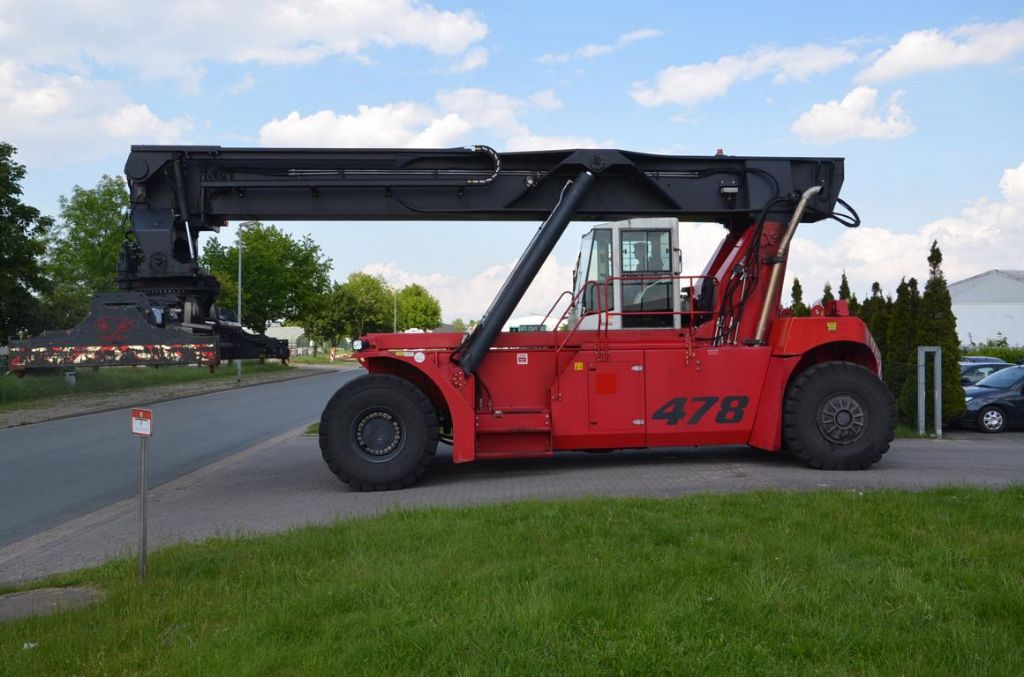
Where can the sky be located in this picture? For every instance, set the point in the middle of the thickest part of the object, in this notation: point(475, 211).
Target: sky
point(923, 100)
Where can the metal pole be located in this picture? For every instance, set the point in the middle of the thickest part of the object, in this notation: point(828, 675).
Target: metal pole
point(770, 301)
point(142, 509)
point(920, 390)
point(238, 359)
point(938, 392)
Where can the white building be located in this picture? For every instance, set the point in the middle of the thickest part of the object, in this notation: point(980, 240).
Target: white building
point(990, 305)
point(530, 321)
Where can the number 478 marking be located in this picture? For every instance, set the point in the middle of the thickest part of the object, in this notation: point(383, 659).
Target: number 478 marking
point(730, 410)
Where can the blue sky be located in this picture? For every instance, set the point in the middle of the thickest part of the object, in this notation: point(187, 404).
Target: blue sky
point(922, 99)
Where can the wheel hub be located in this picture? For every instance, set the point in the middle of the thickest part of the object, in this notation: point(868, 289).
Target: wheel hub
point(841, 419)
point(992, 419)
point(378, 433)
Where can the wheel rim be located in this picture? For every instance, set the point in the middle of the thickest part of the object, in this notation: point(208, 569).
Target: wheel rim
point(992, 419)
point(378, 434)
point(842, 419)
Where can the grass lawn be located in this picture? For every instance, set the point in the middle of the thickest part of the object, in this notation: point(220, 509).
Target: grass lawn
point(323, 358)
point(764, 583)
point(16, 391)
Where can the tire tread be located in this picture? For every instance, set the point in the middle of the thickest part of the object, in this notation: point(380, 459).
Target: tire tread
point(423, 404)
point(795, 438)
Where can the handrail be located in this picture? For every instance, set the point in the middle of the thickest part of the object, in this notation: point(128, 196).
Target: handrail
point(553, 305)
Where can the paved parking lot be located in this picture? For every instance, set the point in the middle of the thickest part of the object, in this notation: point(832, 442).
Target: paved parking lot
point(282, 483)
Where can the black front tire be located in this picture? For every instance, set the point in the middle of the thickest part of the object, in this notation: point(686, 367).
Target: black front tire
point(838, 416)
point(991, 419)
point(378, 432)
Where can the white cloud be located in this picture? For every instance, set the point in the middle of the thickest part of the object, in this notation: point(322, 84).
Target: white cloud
point(693, 83)
point(244, 84)
point(475, 58)
point(468, 297)
point(135, 121)
point(592, 50)
point(855, 117)
point(1012, 186)
point(402, 124)
point(56, 110)
point(174, 39)
point(457, 116)
point(928, 50)
point(546, 99)
point(988, 234)
point(54, 119)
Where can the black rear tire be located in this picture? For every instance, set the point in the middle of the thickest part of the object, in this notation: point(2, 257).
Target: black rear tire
point(838, 416)
point(378, 432)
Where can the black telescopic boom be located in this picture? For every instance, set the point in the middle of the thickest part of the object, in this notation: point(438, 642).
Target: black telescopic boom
point(477, 344)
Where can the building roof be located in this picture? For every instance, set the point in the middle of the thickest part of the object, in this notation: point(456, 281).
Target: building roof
point(992, 286)
point(1017, 275)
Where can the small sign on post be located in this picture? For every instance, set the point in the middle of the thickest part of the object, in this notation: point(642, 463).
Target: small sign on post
point(142, 422)
point(142, 426)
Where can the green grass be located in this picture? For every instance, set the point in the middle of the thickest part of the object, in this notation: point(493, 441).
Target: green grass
point(765, 583)
point(313, 429)
point(322, 358)
point(34, 387)
point(906, 431)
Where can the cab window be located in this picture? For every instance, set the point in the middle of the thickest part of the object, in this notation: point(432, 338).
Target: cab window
point(645, 251)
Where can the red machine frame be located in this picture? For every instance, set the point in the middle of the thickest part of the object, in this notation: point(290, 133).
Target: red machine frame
point(592, 390)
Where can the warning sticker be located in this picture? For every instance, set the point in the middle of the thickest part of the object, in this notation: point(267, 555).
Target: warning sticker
point(522, 358)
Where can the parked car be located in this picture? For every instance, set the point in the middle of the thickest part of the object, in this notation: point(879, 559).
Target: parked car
point(997, 402)
point(981, 358)
point(973, 372)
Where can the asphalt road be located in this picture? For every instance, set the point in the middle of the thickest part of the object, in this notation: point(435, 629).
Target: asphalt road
point(55, 471)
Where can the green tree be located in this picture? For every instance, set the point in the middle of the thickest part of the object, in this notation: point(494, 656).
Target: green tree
point(826, 294)
point(797, 304)
point(84, 247)
point(459, 325)
point(854, 305)
point(365, 304)
point(417, 308)
point(844, 288)
point(23, 233)
point(875, 313)
point(936, 326)
point(283, 279)
point(902, 336)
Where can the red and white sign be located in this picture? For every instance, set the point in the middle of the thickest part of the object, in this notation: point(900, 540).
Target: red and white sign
point(142, 422)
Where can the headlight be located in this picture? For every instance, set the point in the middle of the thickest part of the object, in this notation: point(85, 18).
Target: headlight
point(357, 345)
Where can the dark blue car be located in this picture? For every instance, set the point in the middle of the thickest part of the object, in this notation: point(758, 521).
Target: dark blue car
point(997, 402)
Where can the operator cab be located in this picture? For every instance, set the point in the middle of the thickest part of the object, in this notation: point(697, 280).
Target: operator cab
point(627, 275)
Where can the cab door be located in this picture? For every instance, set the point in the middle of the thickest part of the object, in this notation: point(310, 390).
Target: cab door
point(616, 401)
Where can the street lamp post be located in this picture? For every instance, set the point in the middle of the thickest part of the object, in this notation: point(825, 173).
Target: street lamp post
point(238, 308)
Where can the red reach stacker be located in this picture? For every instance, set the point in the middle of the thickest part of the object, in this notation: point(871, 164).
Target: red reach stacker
point(635, 355)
